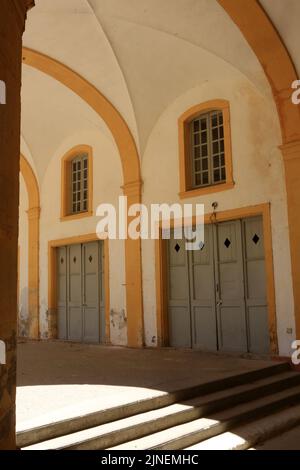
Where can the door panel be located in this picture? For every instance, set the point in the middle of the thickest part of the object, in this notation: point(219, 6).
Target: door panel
point(80, 292)
point(91, 320)
point(178, 293)
point(232, 332)
point(217, 295)
point(202, 293)
point(204, 328)
point(256, 280)
point(75, 293)
point(179, 327)
point(61, 263)
point(255, 286)
point(258, 326)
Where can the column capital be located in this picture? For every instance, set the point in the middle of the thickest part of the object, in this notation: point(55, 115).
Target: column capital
point(133, 188)
point(290, 150)
point(29, 4)
point(34, 213)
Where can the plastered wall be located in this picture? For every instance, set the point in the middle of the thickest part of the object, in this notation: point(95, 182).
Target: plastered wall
point(258, 175)
point(259, 178)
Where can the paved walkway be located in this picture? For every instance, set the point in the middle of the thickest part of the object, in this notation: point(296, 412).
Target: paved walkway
point(58, 380)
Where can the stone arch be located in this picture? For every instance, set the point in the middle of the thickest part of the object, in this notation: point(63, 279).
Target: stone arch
point(33, 213)
point(131, 174)
point(263, 38)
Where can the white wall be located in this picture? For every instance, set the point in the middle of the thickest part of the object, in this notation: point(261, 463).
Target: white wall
point(107, 188)
point(259, 178)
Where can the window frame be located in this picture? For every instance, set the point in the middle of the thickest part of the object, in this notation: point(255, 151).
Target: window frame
point(66, 183)
point(185, 151)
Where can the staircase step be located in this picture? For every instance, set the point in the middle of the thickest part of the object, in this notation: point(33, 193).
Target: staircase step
point(27, 437)
point(185, 435)
point(140, 425)
point(254, 433)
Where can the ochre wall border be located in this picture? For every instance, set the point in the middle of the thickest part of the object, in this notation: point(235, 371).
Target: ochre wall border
point(131, 177)
point(266, 43)
point(52, 279)
point(161, 271)
point(65, 181)
point(184, 148)
point(33, 246)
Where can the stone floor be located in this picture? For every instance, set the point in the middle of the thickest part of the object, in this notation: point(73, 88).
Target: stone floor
point(58, 380)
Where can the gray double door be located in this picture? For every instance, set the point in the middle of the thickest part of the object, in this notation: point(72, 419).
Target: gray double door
point(217, 296)
point(80, 292)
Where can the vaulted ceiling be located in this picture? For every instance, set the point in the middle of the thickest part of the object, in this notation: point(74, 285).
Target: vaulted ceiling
point(141, 54)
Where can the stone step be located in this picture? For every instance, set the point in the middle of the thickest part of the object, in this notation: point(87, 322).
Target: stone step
point(254, 433)
point(190, 433)
point(33, 435)
point(140, 425)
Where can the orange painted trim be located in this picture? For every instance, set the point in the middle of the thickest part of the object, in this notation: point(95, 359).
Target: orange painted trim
point(131, 175)
point(161, 271)
point(75, 240)
point(133, 275)
point(184, 120)
point(216, 188)
point(80, 215)
point(65, 183)
point(30, 182)
point(33, 214)
point(52, 279)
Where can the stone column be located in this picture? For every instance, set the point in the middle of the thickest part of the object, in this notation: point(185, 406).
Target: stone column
point(12, 22)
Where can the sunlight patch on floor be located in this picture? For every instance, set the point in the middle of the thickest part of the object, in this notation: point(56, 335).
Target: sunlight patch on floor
point(42, 404)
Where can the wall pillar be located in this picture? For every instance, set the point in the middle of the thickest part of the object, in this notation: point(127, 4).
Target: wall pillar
point(291, 157)
point(33, 271)
point(12, 22)
point(133, 269)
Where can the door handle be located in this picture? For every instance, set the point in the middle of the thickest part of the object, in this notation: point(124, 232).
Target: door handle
point(219, 303)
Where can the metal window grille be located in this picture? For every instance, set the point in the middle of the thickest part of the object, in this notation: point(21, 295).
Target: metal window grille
point(79, 184)
point(207, 149)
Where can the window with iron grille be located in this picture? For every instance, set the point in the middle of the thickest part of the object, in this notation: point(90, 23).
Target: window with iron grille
point(79, 184)
point(207, 149)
